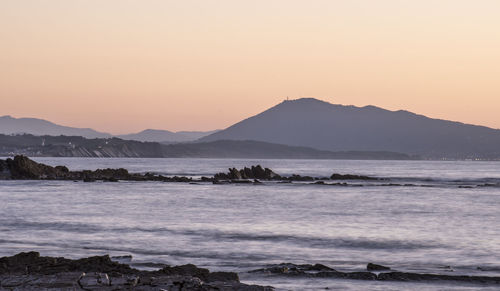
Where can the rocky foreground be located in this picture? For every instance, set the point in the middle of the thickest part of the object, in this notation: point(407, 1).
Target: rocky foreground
point(30, 271)
point(373, 272)
point(23, 168)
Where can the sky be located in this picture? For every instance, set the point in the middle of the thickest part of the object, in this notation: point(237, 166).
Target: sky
point(122, 66)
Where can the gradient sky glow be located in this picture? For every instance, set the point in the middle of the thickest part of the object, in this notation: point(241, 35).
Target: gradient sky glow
point(122, 66)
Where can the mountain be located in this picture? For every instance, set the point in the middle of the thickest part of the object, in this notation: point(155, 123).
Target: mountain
point(248, 149)
point(194, 135)
point(77, 146)
point(165, 136)
point(11, 125)
point(35, 126)
point(313, 123)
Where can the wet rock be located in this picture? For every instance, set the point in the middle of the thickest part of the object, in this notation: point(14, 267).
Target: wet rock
point(289, 268)
point(22, 168)
point(254, 172)
point(319, 267)
point(402, 276)
point(60, 281)
point(241, 181)
point(347, 275)
point(32, 271)
point(186, 270)
point(33, 263)
point(299, 178)
point(222, 277)
point(336, 176)
point(308, 271)
point(375, 267)
point(319, 183)
point(130, 280)
point(94, 281)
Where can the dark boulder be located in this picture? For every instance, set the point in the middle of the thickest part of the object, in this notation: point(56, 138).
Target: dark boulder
point(32, 262)
point(375, 267)
point(23, 168)
point(30, 271)
point(336, 176)
point(300, 178)
point(254, 172)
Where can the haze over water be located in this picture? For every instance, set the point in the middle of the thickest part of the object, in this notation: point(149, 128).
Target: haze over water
point(445, 218)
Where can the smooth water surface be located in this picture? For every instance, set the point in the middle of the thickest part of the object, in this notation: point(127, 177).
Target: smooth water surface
point(446, 215)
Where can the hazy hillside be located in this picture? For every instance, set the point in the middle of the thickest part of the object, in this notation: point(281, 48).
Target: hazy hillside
point(11, 125)
point(263, 150)
point(314, 123)
point(35, 126)
point(165, 136)
point(75, 146)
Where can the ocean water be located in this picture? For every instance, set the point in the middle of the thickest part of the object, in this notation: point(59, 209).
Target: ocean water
point(426, 216)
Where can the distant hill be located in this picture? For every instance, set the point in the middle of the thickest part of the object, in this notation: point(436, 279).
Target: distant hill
point(165, 136)
point(263, 150)
point(194, 135)
point(313, 123)
point(35, 126)
point(76, 146)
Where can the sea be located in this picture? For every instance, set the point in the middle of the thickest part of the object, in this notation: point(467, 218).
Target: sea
point(440, 217)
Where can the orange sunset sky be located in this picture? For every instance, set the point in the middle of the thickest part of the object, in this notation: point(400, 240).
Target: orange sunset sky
point(123, 66)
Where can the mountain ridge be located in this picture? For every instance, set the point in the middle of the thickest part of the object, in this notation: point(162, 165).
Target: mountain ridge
point(77, 146)
point(37, 126)
point(318, 124)
point(29, 125)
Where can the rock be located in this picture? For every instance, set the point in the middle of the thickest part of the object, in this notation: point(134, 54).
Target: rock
point(59, 281)
point(94, 281)
point(125, 280)
point(375, 267)
point(33, 272)
point(254, 172)
point(299, 178)
point(32, 263)
point(350, 177)
point(222, 277)
point(22, 168)
point(321, 271)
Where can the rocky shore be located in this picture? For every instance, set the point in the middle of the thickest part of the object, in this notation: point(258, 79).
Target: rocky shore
point(23, 168)
point(373, 272)
point(30, 271)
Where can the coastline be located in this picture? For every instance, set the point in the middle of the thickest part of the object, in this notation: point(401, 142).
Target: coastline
point(30, 271)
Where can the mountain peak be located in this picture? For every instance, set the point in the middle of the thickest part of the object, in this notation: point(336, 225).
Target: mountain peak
point(322, 125)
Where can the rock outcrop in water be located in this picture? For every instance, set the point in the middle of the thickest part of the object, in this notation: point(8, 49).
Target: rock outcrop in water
point(23, 168)
point(375, 267)
point(30, 271)
point(321, 271)
point(254, 172)
point(350, 177)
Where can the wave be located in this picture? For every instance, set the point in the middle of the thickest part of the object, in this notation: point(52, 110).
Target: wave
point(224, 236)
